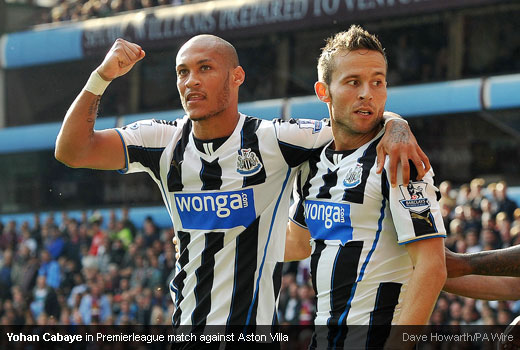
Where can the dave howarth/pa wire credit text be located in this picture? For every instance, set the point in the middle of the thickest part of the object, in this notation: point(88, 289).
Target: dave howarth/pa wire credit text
point(463, 337)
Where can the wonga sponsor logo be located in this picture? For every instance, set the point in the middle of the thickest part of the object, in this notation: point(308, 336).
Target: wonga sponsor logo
point(216, 210)
point(328, 221)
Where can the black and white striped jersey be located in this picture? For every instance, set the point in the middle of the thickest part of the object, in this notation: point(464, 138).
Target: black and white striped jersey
point(228, 200)
point(359, 226)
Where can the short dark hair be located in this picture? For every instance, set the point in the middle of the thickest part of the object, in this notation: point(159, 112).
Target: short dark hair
point(355, 38)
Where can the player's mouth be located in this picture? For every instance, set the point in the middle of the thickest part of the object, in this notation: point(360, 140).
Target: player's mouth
point(364, 112)
point(194, 97)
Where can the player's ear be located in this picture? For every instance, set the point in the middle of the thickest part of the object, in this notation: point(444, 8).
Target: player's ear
point(238, 75)
point(322, 91)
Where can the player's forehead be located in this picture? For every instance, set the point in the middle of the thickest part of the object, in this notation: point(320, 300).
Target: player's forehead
point(202, 49)
point(360, 62)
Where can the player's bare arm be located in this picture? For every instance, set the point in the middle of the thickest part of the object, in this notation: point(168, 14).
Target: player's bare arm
point(499, 262)
point(297, 246)
point(423, 290)
point(80, 146)
point(401, 146)
point(428, 278)
point(484, 287)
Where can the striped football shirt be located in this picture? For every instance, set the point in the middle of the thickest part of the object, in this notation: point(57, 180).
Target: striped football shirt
point(359, 226)
point(228, 200)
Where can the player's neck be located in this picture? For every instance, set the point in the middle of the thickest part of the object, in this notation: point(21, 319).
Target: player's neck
point(345, 140)
point(216, 126)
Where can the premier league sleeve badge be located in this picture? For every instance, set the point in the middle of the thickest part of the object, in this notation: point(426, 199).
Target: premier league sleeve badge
point(414, 197)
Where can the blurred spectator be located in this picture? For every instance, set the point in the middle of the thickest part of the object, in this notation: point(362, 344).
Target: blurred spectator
point(44, 299)
point(8, 239)
point(455, 312)
point(463, 195)
point(77, 291)
point(307, 306)
point(95, 305)
point(503, 225)
point(472, 242)
point(475, 193)
point(144, 307)
point(504, 316)
point(490, 240)
point(55, 242)
point(73, 242)
point(126, 220)
point(151, 232)
point(97, 234)
point(516, 216)
point(27, 239)
point(447, 195)
point(472, 218)
point(50, 269)
point(291, 311)
point(117, 252)
point(126, 314)
point(504, 203)
point(6, 275)
point(139, 273)
point(470, 315)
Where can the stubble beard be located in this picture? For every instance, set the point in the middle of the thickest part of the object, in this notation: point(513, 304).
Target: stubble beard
point(347, 124)
point(223, 103)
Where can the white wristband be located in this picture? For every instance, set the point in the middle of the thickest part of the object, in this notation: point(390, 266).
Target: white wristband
point(95, 84)
point(393, 118)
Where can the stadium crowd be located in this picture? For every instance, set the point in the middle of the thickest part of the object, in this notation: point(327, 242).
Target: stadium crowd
point(65, 10)
point(82, 273)
point(91, 271)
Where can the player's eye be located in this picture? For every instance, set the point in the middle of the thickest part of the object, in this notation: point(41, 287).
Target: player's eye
point(182, 72)
point(205, 67)
point(353, 82)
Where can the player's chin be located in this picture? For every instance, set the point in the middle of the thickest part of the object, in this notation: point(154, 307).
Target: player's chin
point(511, 336)
point(197, 116)
point(368, 126)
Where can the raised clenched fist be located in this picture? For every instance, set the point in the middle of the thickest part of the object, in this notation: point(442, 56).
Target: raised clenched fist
point(123, 55)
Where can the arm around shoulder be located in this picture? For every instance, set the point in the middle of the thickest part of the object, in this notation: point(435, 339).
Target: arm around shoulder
point(401, 146)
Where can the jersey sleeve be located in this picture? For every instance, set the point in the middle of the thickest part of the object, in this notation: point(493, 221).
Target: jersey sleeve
point(296, 137)
point(296, 211)
point(415, 208)
point(144, 142)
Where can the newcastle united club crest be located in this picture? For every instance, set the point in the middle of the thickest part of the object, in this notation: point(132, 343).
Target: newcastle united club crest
point(248, 162)
point(353, 176)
